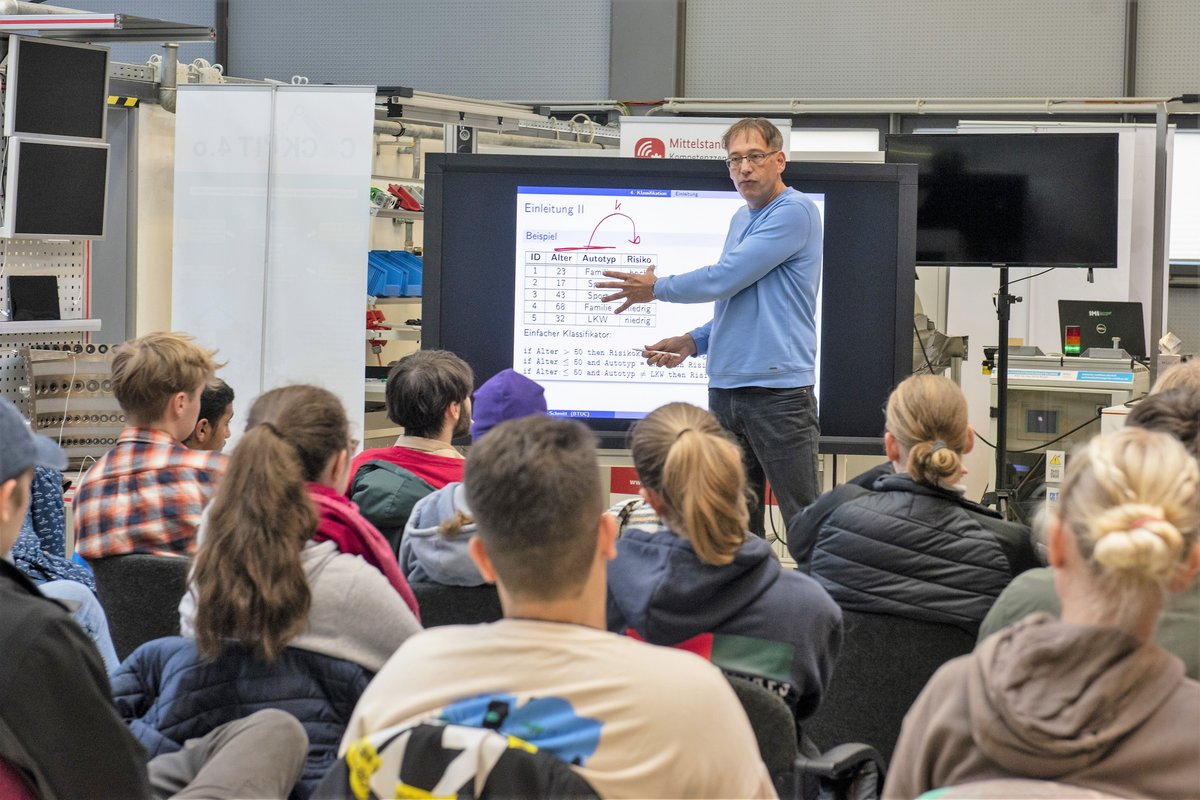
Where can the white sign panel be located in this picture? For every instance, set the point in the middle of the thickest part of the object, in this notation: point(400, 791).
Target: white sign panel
point(680, 137)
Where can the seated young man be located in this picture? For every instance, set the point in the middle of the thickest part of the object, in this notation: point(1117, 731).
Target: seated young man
point(429, 395)
point(147, 493)
point(434, 547)
point(634, 720)
point(216, 410)
point(60, 735)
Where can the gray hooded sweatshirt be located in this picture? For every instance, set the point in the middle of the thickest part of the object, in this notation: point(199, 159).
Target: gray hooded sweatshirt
point(1082, 705)
point(429, 556)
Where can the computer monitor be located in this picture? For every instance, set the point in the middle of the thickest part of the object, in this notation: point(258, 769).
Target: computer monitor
point(33, 297)
point(56, 88)
point(1100, 320)
point(54, 189)
point(1016, 200)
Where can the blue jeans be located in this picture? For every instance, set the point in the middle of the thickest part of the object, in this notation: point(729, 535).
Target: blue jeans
point(89, 616)
point(778, 433)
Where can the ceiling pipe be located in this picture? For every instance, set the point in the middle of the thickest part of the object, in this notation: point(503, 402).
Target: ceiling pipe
point(167, 91)
point(933, 105)
point(391, 128)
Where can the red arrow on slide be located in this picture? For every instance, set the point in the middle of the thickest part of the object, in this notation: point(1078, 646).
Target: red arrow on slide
point(589, 246)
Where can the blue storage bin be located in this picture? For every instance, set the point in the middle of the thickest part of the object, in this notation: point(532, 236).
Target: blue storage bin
point(393, 273)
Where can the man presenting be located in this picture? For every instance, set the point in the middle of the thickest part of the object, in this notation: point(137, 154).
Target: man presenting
point(762, 340)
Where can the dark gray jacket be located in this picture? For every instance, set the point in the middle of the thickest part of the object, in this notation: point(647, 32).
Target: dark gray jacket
point(58, 725)
point(912, 550)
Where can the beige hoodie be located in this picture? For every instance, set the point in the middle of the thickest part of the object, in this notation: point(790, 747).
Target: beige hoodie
point(1081, 705)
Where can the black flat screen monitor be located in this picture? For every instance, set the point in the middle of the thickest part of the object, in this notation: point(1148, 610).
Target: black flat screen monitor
point(1015, 200)
point(1099, 321)
point(33, 297)
point(495, 295)
point(55, 189)
point(56, 89)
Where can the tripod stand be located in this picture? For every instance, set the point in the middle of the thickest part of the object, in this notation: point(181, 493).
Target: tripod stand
point(1004, 303)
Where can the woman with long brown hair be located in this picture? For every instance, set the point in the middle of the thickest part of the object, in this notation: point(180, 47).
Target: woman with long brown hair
point(269, 573)
point(277, 616)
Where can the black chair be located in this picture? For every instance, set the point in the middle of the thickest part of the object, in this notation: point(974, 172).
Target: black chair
point(885, 663)
point(456, 605)
point(140, 595)
point(773, 724)
point(798, 770)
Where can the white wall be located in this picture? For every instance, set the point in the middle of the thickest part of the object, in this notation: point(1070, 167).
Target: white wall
point(561, 49)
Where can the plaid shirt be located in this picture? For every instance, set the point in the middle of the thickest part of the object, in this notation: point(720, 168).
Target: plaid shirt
point(144, 496)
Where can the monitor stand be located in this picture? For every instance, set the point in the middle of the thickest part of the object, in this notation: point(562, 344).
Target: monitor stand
point(1004, 301)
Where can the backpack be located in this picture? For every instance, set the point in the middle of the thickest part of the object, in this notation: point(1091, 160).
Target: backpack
point(440, 760)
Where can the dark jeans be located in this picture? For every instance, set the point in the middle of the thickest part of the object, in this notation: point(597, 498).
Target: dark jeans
point(778, 432)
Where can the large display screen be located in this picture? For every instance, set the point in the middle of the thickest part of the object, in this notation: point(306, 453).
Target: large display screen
point(1013, 199)
point(566, 338)
point(514, 246)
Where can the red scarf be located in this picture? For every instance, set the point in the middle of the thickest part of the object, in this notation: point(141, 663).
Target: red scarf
point(341, 524)
point(435, 469)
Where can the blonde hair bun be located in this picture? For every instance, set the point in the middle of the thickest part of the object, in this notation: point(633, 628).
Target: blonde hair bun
point(1134, 539)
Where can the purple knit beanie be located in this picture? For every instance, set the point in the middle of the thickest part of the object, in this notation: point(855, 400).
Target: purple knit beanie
point(506, 395)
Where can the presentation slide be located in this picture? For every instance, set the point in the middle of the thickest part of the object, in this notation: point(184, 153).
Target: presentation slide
point(588, 358)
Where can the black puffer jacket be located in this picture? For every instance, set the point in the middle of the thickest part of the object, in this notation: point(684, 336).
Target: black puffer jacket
point(912, 550)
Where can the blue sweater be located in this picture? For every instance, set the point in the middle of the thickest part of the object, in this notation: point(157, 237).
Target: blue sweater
point(764, 330)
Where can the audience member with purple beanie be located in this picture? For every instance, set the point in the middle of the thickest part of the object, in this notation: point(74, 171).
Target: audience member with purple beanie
point(506, 395)
point(434, 547)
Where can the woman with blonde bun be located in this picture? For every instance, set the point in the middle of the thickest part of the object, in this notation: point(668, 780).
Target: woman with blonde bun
point(912, 545)
point(702, 583)
point(1175, 412)
point(1089, 700)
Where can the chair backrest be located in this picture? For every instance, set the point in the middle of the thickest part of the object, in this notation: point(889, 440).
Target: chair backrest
point(773, 724)
point(437, 760)
point(140, 595)
point(456, 605)
point(884, 664)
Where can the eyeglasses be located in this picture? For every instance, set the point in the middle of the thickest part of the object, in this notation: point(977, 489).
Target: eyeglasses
point(733, 162)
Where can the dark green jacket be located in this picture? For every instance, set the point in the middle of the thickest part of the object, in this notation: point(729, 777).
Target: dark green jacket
point(1178, 629)
point(385, 494)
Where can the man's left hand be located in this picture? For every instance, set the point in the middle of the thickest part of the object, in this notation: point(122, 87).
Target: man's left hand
point(635, 287)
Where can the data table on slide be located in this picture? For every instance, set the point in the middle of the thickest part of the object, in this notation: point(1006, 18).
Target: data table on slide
point(560, 289)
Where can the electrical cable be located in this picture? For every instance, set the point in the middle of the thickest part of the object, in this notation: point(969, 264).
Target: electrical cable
point(82, 467)
point(1015, 493)
point(67, 399)
point(774, 537)
point(925, 353)
point(1043, 444)
point(1031, 277)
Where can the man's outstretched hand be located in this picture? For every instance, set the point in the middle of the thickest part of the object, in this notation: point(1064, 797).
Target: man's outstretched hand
point(635, 287)
point(670, 352)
